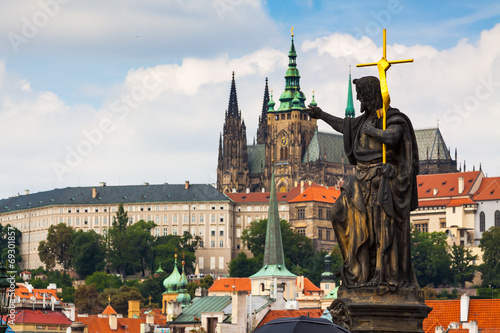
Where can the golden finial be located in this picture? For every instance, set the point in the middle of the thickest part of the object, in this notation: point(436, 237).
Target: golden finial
point(109, 299)
point(291, 31)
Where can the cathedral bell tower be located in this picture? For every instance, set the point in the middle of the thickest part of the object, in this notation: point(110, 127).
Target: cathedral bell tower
point(232, 165)
point(290, 129)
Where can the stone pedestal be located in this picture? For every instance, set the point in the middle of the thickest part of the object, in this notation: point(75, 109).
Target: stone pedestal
point(380, 310)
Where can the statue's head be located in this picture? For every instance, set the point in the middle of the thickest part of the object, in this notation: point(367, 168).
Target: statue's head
point(368, 93)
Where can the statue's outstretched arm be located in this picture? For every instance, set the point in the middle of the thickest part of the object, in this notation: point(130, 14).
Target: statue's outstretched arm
point(389, 136)
point(335, 122)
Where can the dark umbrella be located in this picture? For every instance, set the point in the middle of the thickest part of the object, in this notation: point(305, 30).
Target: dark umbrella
point(299, 325)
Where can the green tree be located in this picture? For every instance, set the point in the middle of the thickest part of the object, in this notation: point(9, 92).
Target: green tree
point(462, 265)
point(152, 287)
point(10, 255)
point(86, 299)
point(119, 298)
point(123, 258)
point(56, 249)
point(141, 241)
point(490, 245)
point(298, 248)
point(88, 251)
point(430, 257)
point(165, 247)
point(102, 281)
point(242, 266)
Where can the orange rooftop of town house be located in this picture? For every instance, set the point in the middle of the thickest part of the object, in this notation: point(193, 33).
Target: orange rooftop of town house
point(486, 312)
point(489, 190)
point(39, 294)
point(446, 185)
point(318, 194)
point(264, 196)
point(275, 314)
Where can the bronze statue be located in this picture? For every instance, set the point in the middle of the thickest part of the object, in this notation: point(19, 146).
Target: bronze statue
point(371, 218)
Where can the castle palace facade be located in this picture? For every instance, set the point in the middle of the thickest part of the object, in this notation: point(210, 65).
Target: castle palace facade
point(288, 139)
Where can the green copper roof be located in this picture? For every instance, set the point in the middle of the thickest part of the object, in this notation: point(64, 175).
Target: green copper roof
point(271, 104)
point(329, 144)
point(349, 110)
point(274, 257)
point(332, 294)
point(200, 305)
point(183, 296)
point(431, 145)
point(173, 282)
point(256, 158)
point(292, 85)
point(159, 270)
point(313, 102)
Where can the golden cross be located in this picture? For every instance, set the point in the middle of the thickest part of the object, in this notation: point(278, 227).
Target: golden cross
point(383, 65)
point(150, 298)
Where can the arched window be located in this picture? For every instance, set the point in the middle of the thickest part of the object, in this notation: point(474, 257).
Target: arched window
point(497, 218)
point(482, 223)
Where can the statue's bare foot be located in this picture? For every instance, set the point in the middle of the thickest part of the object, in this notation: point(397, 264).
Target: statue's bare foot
point(375, 281)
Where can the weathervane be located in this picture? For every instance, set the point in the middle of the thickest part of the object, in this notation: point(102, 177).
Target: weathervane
point(383, 65)
point(291, 30)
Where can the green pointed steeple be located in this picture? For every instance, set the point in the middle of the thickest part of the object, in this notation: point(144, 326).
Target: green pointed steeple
point(159, 270)
point(183, 296)
point(349, 110)
point(172, 282)
point(274, 257)
point(292, 84)
point(271, 103)
point(313, 102)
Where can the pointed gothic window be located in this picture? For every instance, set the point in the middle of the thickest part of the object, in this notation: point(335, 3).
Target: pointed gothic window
point(497, 218)
point(482, 223)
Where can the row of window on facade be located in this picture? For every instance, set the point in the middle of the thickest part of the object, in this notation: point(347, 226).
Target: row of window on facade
point(301, 213)
point(326, 235)
point(102, 210)
point(201, 263)
point(288, 115)
point(482, 220)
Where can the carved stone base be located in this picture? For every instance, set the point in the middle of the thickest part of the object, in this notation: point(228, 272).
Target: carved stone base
point(379, 310)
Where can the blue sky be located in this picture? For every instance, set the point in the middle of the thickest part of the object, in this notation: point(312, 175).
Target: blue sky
point(67, 68)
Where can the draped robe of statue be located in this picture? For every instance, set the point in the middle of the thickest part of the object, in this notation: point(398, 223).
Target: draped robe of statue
point(371, 218)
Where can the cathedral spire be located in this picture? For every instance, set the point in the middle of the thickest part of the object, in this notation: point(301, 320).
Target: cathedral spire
point(292, 83)
point(349, 110)
point(274, 257)
point(233, 100)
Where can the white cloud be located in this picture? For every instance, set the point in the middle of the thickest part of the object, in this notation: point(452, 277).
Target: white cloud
point(162, 123)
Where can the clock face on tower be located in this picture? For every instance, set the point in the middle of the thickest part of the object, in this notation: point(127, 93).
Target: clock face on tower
point(284, 140)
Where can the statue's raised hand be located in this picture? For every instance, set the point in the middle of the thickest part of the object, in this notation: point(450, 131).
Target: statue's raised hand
point(314, 111)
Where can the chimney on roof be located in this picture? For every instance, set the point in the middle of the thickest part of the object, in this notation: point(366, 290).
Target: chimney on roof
point(248, 190)
point(239, 306)
point(150, 318)
point(94, 192)
point(186, 184)
point(145, 183)
point(113, 321)
point(301, 186)
point(435, 191)
point(102, 184)
point(464, 308)
point(26, 192)
point(233, 190)
point(461, 185)
point(263, 190)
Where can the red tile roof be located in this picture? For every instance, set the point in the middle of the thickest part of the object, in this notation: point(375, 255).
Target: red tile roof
point(109, 310)
point(485, 311)
point(28, 316)
point(226, 284)
point(309, 287)
point(255, 197)
point(489, 189)
point(446, 184)
point(318, 194)
point(101, 325)
point(23, 292)
point(275, 314)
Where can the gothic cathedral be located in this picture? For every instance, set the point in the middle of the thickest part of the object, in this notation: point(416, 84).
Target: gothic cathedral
point(286, 138)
